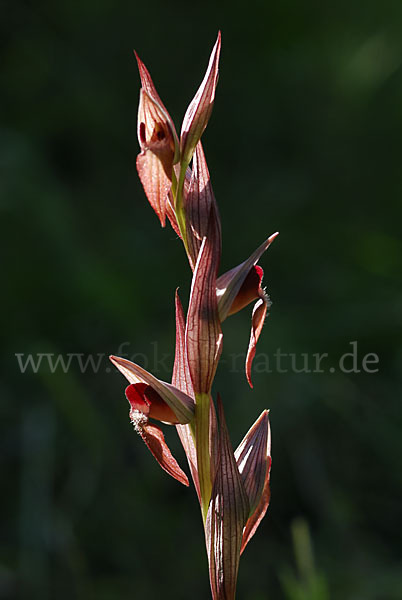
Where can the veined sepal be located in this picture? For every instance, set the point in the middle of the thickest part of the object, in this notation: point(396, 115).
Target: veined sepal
point(203, 330)
point(182, 380)
point(149, 87)
point(199, 204)
point(227, 514)
point(253, 457)
point(200, 108)
point(155, 161)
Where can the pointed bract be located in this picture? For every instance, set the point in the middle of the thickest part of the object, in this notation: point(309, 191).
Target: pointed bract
point(204, 346)
point(181, 377)
point(198, 203)
point(252, 457)
point(180, 403)
point(199, 111)
point(203, 331)
point(259, 513)
point(227, 515)
point(182, 380)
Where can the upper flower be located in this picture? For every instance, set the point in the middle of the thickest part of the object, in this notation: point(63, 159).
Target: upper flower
point(159, 143)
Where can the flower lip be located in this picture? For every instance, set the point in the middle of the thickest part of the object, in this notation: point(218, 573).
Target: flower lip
point(137, 398)
point(179, 402)
point(229, 284)
point(249, 291)
point(143, 398)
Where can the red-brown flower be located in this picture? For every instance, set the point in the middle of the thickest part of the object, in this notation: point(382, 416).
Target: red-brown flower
point(151, 398)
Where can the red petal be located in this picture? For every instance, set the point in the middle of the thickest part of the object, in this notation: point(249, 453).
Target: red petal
point(199, 111)
point(249, 291)
point(198, 202)
point(257, 321)
point(155, 440)
point(227, 515)
point(259, 513)
point(135, 395)
point(146, 400)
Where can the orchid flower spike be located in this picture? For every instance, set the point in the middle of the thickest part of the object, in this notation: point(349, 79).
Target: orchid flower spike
point(232, 487)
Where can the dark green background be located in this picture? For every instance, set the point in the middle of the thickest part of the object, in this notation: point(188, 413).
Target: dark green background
point(305, 138)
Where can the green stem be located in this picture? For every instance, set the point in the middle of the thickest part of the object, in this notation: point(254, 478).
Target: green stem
point(174, 184)
point(202, 409)
point(177, 190)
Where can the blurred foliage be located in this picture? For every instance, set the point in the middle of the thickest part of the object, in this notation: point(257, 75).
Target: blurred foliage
point(309, 585)
point(306, 138)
